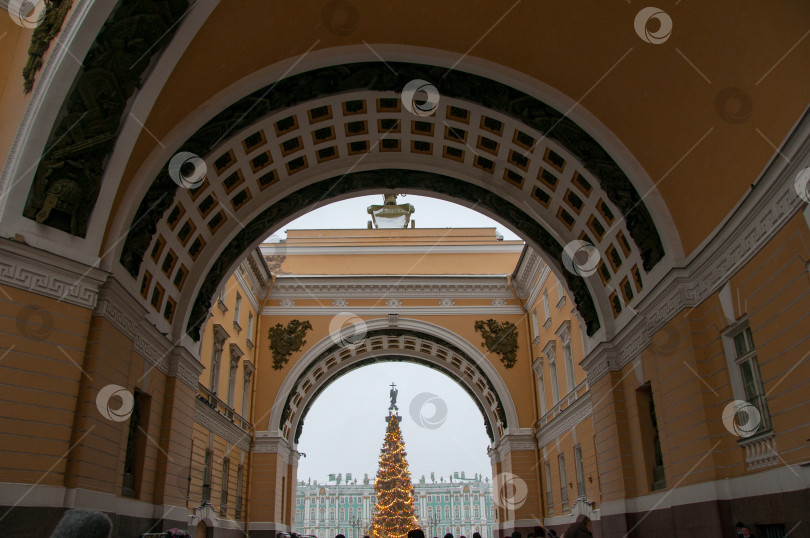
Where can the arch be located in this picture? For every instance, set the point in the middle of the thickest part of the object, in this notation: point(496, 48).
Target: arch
point(409, 339)
point(529, 209)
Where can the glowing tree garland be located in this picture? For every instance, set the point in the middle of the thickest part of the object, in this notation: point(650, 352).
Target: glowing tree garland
point(394, 513)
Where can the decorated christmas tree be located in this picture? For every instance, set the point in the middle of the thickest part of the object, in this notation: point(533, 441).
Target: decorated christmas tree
point(394, 513)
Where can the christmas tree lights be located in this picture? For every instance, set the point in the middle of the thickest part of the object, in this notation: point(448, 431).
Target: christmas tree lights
point(394, 513)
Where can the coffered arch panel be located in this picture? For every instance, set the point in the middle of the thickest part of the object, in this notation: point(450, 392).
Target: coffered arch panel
point(559, 185)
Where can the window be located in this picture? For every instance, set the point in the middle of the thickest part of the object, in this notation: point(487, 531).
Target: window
point(549, 494)
point(239, 474)
point(248, 373)
point(298, 516)
point(223, 498)
point(343, 514)
point(748, 386)
point(535, 324)
point(555, 389)
point(563, 482)
point(206, 487)
point(251, 322)
point(332, 514)
point(580, 471)
point(476, 511)
point(560, 293)
point(546, 309)
point(456, 512)
point(568, 357)
point(136, 443)
point(541, 389)
point(237, 312)
point(446, 512)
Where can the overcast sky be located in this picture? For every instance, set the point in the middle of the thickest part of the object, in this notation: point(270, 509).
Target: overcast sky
point(430, 213)
point(442, 427)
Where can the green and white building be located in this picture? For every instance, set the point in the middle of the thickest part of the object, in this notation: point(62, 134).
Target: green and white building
point(344, 505)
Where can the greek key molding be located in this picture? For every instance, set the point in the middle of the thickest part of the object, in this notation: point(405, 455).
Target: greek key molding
point(37, 271)
point(219, 425)
point(185, 367)
point(568, 418)
point(125, 313)
point(751, 226)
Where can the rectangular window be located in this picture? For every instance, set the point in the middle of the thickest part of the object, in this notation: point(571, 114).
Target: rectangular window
point(650, 439)
point(580, 471)
point(568, 357)
point(239, 477)
point(753, 392)
point(237, 310)
point(541, 390)
point(560, 293)
point(549, 494)
point(223, 499)
point(251, 321)
point(563, 483)
point(206, 487)
point(555, 388)
point(136, 446)
point(546, 309)
point(535, 324)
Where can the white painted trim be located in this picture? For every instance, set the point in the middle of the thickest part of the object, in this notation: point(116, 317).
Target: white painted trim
point(780, 480)
point(36, 495)
point(287, 249)
point(382, 309)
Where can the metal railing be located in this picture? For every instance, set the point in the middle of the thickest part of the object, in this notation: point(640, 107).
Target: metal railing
point(213, 401)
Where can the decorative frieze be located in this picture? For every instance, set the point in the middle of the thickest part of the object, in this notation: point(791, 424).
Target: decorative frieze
point(185, 367)
point(216, 423)
point(49, 275)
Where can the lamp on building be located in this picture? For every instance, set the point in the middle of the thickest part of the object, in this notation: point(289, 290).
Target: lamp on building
point(390, 214)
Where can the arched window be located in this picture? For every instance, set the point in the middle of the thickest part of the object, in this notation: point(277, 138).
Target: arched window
point(332, 514)
point(321, 514)
point(342, 514)
point(456, 512)
point(447, 515)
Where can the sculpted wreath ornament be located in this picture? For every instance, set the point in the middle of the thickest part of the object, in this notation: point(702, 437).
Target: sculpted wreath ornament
point(500, 338)
point(284, 341)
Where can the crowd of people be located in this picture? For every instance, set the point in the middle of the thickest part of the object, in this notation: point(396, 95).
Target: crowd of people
point(581, 528)
point(91, 524)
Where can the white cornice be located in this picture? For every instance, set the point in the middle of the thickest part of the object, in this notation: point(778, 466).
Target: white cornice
point(287, 249)
point(377, 286)
point(382, 309)
point(568, 418)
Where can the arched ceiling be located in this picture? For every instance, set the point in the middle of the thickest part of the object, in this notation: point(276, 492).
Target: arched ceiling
point(689, 120)
point(660, 101)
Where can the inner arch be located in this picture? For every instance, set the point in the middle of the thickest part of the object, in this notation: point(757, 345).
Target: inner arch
point(411, 340)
